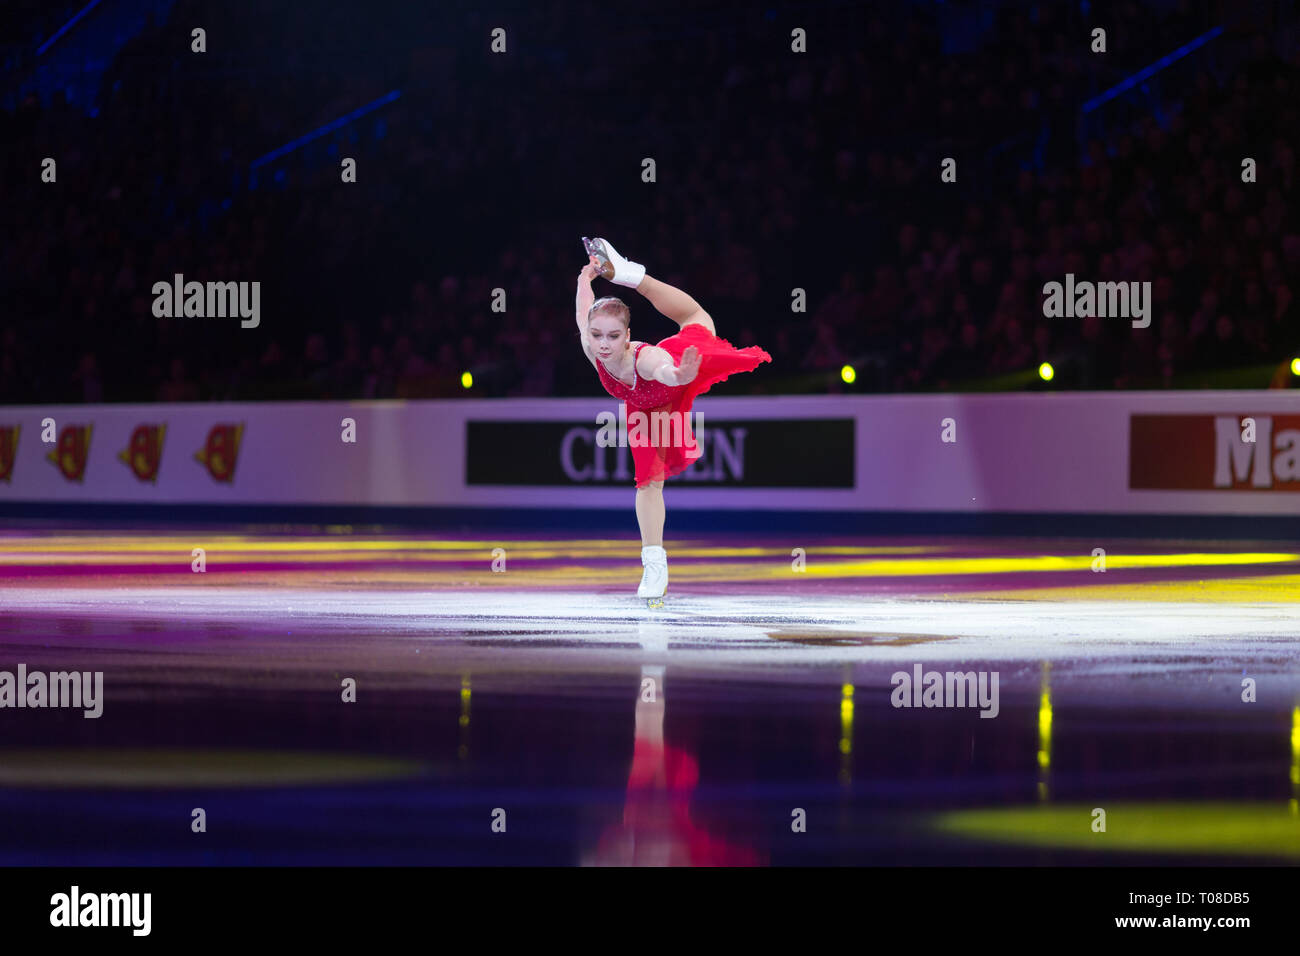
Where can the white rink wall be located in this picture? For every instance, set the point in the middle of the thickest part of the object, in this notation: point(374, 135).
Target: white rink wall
point(1135, 453)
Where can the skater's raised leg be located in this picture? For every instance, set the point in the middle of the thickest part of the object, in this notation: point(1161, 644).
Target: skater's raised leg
point(669, 300)
point(675, 304)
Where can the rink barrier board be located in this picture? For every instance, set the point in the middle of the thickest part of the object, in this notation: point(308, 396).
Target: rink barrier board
point(1076, 453)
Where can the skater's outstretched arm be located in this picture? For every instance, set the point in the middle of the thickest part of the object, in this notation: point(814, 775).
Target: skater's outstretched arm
point(655, 363)
point(673, 302)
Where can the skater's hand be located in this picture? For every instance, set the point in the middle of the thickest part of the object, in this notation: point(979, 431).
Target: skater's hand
point(590, 270)
point(689, 366)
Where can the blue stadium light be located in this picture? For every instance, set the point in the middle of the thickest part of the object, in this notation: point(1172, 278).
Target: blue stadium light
point(327, 128)
point(67, 26)
point(1128, 84)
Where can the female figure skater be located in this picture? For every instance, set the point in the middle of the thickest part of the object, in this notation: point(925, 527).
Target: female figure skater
point(653, 378)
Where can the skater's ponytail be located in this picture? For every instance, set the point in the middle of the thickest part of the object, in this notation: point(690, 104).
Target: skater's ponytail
point(612, 307)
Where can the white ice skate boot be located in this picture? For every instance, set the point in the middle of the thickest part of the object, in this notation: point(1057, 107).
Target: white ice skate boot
point(614, 267)
point(654, 580)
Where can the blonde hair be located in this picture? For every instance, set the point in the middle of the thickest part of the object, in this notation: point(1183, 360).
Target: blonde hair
point(611, 306)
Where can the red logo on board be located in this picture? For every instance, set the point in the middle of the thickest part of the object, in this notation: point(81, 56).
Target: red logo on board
point(71, 451)
point(143, 453)
point(8, 450)
point(221, 451)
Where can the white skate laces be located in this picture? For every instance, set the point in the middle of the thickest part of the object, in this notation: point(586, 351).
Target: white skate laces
point(654, 580)
point(625, 272)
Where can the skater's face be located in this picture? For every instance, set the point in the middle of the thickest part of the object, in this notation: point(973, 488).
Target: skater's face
point(609, 337)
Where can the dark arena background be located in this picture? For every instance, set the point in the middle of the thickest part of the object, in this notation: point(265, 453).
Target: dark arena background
point(312, 556)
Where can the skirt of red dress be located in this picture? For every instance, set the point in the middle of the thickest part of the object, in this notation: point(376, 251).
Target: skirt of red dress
point(719, 359)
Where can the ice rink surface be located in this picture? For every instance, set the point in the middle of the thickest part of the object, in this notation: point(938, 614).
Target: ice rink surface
point(1157, 677)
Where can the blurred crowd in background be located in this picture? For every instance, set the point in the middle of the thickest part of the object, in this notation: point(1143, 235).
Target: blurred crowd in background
point(775, 171)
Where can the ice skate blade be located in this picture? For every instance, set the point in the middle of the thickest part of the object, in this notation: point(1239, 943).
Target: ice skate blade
point(596, 247)
point(653, 603)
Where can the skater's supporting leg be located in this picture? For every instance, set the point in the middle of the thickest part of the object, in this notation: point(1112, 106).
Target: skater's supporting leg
point(650, 513)
point(675, 303)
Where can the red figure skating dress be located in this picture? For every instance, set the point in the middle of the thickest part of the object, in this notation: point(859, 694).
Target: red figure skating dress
point(719, 359)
